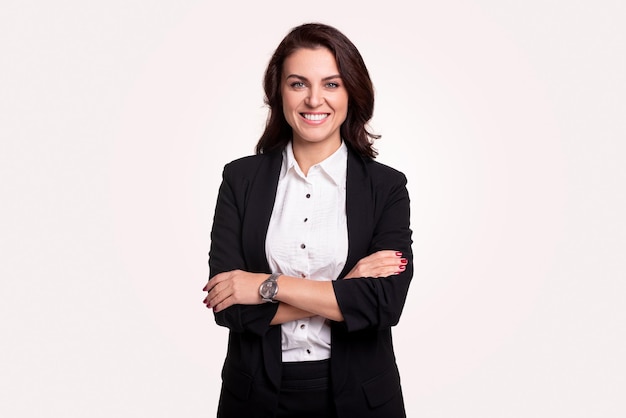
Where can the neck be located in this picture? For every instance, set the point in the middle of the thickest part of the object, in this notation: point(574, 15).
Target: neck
point(308, 154)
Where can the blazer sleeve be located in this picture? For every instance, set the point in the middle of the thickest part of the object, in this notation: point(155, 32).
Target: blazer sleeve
point(377, 303)
point(226, 254)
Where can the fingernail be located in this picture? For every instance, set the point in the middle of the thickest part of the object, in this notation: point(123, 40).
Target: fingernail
point(398, 253)
point(403, 260)
point(402, 267)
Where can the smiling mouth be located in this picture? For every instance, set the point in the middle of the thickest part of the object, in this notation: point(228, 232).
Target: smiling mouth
point(315, 117)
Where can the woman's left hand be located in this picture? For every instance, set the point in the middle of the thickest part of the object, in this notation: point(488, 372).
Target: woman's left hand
point(232, 288)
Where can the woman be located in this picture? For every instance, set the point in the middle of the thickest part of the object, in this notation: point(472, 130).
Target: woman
point(310, 259)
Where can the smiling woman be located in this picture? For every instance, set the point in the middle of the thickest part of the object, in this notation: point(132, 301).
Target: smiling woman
point(310, 259)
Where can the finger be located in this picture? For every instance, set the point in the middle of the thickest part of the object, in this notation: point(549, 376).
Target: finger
point(225, 303)
point(382, 263)
point(217, 299)
point(216, 288)
point(218, 293)
point(218, 278)
point(220, 307)
point(385, 267)
point(397, 267)
point(209, 285)
point(394, 261)
point(385, 258)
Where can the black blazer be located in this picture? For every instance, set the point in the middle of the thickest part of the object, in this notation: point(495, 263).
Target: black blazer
point(364, 375)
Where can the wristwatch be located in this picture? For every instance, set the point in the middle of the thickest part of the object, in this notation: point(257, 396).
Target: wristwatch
point(269, 288)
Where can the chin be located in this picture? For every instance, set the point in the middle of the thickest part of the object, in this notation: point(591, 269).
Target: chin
point(314, 140)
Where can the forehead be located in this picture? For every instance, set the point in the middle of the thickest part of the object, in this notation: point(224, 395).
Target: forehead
point(310, 62)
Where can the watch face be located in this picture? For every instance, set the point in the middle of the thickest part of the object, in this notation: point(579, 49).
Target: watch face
point(267, 289)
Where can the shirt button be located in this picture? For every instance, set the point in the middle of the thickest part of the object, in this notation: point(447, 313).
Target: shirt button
point(308, 351)
point(302, 326)
point(303, 275)
point(302, 246)
point(308, 195)
point(306, 219)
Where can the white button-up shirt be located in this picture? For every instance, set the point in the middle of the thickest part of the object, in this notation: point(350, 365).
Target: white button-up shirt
point(308, 238)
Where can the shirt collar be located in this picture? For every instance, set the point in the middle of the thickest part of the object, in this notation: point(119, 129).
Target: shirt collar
point(289, 160)
point(334, 166)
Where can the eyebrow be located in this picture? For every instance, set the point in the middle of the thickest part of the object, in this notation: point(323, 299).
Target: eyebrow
point(330, 77)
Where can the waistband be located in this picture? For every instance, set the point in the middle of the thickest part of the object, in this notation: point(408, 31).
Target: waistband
point(305, 370)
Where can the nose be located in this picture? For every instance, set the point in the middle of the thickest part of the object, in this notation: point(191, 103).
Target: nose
point(315, 97)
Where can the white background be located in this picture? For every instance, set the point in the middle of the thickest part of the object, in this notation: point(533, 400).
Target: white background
point(508, 118)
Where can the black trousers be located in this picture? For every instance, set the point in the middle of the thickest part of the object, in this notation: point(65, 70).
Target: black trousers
point(305, 390)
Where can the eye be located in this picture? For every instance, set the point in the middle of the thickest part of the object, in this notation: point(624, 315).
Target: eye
point(332, 85)
point(297, 85)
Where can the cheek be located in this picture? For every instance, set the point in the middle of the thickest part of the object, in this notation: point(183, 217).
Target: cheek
point(342, 103)
point(344, 109)
point(288, 111)
point(288, 114)
point(288, 103)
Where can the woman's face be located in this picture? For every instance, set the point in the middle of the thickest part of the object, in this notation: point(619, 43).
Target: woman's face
point(315, 102)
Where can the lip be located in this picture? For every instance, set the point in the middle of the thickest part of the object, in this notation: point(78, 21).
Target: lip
point(318, 117)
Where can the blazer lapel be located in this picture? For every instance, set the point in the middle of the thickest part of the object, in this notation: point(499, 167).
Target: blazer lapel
point(260, 203)
point(358, 210)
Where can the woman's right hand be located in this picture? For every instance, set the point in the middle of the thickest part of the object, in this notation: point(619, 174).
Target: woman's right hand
point(380, 264)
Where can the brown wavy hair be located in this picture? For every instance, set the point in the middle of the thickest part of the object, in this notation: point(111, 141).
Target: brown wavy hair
point(353, 73)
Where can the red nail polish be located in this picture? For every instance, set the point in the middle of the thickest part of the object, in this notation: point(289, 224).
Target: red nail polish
point(403, 260)
point(398, 253)
point(402, 267)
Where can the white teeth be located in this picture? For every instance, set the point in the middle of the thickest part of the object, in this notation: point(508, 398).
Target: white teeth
point(315, 116)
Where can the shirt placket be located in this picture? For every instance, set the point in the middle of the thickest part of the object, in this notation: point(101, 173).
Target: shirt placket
point(302, 325)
